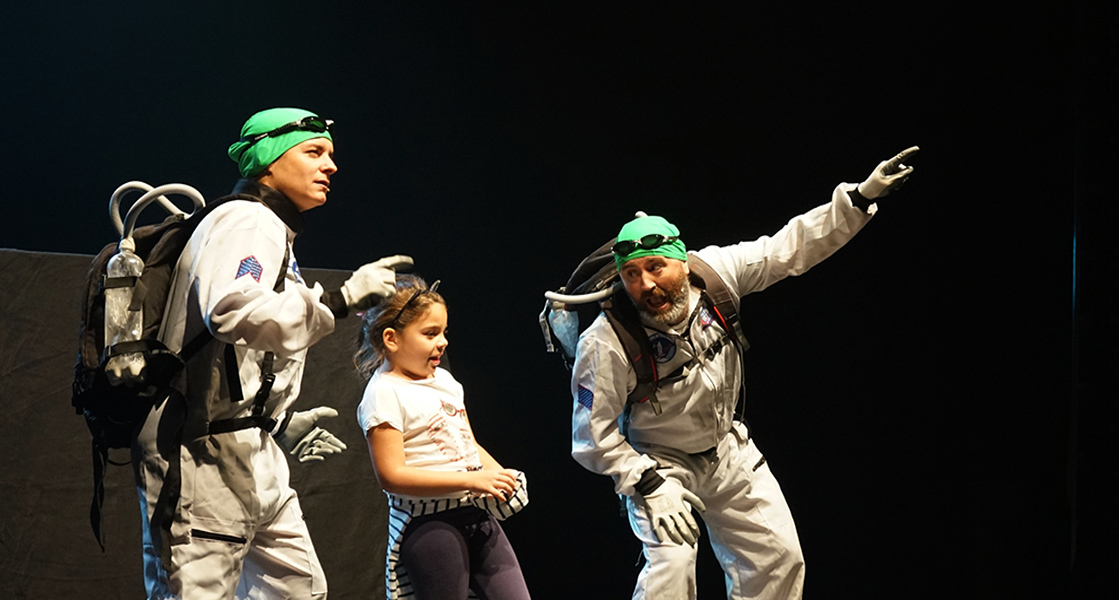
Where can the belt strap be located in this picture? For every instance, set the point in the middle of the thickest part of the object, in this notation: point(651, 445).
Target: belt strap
point(239, 423)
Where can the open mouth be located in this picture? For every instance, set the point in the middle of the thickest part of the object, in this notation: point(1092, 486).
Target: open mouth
point(657, 303)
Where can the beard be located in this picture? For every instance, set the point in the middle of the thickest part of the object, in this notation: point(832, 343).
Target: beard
point(677, 294)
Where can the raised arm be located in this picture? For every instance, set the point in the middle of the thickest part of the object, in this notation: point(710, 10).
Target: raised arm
point(808, 239)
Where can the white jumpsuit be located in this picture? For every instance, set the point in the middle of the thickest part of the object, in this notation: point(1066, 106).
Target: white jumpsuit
point(238, 530)
point(695, 439)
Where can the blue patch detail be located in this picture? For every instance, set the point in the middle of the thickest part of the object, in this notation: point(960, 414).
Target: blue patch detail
point(664, 348)
point(250, 266)
point(295, 270)
point(705, 318)
point(585, 398)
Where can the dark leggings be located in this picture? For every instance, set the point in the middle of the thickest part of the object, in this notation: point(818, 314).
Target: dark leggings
point(447, 552)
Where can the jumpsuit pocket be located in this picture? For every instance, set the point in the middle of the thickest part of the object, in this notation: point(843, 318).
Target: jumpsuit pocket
point(200, 534)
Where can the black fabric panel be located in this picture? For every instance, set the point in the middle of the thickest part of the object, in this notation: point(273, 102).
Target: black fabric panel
point(46, 547)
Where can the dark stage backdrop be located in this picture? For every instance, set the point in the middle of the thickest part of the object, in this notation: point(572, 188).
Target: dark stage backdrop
point(48, 549)
point(913, 393)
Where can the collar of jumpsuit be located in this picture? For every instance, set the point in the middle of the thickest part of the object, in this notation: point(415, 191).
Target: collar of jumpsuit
point(273, 199)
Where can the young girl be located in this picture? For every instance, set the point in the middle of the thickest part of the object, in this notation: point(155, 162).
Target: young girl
point(441, 544)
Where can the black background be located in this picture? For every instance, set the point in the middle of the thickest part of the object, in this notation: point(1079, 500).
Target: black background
point(914, 394)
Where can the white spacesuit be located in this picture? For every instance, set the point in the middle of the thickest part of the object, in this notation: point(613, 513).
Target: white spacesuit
point(694, 453)
point(235, 504)
point(220, 518)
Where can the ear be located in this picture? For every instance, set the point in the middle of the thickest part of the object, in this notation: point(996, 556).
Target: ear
point(388, 337)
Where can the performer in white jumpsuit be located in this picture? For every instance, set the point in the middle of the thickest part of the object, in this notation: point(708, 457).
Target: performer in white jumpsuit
point(694, 453)
point(220, 519)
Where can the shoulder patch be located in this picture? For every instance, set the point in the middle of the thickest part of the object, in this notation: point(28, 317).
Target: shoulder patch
point(705, 318)
point(585, 398)
point(250, 266)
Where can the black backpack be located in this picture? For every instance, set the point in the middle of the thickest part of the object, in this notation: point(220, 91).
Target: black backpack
point(112, 413)
point(595, 286)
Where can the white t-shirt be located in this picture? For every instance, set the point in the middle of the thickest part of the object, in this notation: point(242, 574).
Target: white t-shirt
point(431, 415)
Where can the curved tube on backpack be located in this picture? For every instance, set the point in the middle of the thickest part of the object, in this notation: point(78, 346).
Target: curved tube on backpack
point(583, 298)
point(118, 195)
point(157, 194)
point(131, 186)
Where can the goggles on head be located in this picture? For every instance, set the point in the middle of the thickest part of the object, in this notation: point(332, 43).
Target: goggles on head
point(646, 242)
point(309, 123)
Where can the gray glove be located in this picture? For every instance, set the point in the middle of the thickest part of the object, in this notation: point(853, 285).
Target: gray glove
point(303, 440)
point(670, 513)
point(373, 281)
point(888, 176)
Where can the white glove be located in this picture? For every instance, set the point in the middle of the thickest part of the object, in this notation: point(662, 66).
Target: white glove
point(670, 513)
point(888, 176)
point(373, 281)
point(305, 441)
point(126, 369)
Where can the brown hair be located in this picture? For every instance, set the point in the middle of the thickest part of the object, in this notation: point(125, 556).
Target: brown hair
point(411, 300)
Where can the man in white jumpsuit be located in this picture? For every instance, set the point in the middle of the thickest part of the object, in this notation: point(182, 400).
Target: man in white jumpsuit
point(694, 453)
point(220, 519)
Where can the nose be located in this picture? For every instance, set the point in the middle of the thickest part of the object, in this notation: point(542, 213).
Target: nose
point(647, 282)
point(328, 166)
point(441, 343)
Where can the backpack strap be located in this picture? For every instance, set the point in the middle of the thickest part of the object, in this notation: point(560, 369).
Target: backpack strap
point(626, 322)
point(623, 317)
point(722, 300)
point(267, 379)
point(725, 304)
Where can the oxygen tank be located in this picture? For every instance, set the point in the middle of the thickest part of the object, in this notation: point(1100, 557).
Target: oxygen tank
point(565, 324)
point(123, 323)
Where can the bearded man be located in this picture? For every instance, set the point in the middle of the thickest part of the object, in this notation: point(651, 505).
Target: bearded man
point(686, 449)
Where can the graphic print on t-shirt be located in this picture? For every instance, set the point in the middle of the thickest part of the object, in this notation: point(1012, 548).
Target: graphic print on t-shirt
point(451, 435)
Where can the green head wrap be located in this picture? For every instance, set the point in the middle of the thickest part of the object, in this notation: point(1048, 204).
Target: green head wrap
point(647, 225)
point(252, 158)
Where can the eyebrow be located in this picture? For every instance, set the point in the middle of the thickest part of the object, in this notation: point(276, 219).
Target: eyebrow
point(654, 259)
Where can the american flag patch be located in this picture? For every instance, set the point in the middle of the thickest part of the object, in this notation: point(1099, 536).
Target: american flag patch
point(586, 397)
point(250, 266)
point(705, 318)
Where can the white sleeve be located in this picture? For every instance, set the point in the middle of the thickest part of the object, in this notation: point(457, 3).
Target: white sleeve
point(600, 383)
point(802, 243)
point(234, 277)
point(379, 404)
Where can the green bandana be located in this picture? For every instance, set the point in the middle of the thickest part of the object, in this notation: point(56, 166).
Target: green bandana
point(251, 159)
point(643, 226)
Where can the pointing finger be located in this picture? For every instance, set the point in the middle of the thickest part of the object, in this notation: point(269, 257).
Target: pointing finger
point(398, 261)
